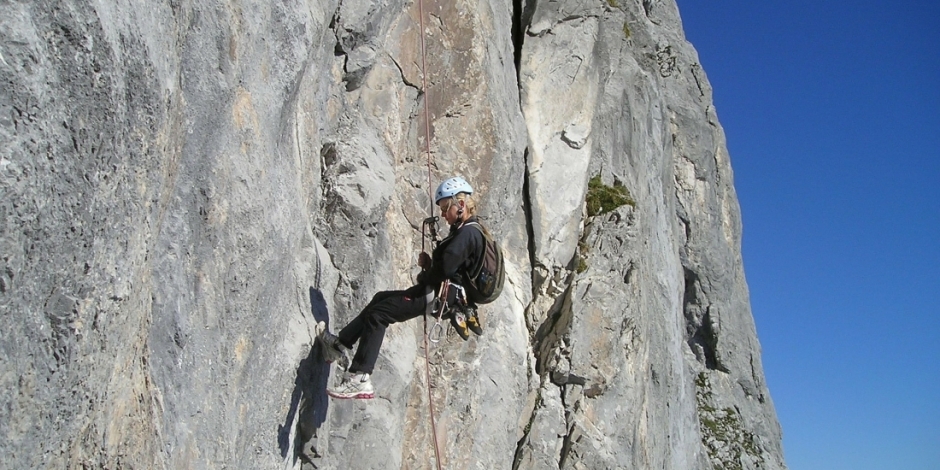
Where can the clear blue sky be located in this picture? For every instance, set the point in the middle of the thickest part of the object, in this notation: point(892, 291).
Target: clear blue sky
point(832, 114)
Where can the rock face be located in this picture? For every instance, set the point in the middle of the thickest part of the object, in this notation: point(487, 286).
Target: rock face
point(186, 187)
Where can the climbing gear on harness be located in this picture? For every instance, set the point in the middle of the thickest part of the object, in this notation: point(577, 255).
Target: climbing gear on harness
point(451, 188)
point(354, 385)
point(458, 313)
point(437, 331)
point(439, 306)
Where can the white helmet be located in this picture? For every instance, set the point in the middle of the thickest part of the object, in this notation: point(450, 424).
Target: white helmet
point(451, 188)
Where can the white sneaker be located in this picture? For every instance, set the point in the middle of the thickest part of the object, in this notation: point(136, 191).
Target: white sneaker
point(354, 385)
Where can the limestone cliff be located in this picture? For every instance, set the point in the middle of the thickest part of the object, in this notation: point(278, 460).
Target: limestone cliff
point(187, 186)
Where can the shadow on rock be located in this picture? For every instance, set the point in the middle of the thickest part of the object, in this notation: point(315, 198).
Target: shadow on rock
point(309, 398)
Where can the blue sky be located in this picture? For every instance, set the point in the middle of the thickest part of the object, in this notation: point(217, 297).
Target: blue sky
point(832, 114)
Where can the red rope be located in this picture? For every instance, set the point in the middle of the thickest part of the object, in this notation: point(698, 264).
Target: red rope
point(427, 377)
point(427, 142)
point(427, 99)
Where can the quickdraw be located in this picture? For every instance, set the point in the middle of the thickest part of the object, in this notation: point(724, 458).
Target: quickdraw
point(440, 306)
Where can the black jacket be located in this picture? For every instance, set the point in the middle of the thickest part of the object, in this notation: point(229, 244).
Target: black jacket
point(455, 257)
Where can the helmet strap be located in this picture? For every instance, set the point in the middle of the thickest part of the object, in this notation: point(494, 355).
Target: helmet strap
point(460, 206)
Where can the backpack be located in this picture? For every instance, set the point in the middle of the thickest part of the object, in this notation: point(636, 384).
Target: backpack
point(486, 280)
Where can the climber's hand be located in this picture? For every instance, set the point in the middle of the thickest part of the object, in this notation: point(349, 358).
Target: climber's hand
point(424, 260)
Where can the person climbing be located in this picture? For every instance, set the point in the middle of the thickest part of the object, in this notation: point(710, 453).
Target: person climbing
point(454, 257)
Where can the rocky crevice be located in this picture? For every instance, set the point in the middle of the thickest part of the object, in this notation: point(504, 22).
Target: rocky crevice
point(702, 330)
point(521, 14)
point(553, 348)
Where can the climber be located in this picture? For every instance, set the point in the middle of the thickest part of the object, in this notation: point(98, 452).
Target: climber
point(448, 264)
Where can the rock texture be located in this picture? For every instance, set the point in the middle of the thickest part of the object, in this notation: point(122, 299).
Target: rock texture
point(186, 187)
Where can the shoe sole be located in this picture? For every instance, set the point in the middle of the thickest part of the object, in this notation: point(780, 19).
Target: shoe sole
point(355, 396)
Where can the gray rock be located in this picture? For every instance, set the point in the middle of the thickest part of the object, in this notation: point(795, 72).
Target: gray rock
point(187, 188)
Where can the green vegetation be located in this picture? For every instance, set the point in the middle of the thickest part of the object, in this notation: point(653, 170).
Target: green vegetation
point(703, 388)
point(602, 198)
point(723, 434)
point(583, 250)
point(613, 3)
point(626, 30)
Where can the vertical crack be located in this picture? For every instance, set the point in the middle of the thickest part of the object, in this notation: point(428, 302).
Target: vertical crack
point(522, 11)
point(572, 435)
point(527, 210)
point(521, 17)
point(700, 324)
point(519, 456)
point(517, 33)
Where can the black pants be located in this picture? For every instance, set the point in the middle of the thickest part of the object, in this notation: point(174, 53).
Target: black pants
point(369, 326)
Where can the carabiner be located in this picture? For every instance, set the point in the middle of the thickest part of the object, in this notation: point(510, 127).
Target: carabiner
point(439, 330)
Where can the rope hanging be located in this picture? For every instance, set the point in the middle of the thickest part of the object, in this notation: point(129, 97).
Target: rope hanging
point(427, 142)
point(427, 98)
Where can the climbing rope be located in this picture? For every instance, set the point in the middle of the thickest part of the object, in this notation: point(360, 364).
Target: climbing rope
point(427, 142)
point(427, 99)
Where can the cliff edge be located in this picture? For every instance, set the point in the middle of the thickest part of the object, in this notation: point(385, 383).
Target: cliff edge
point(187, 187)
